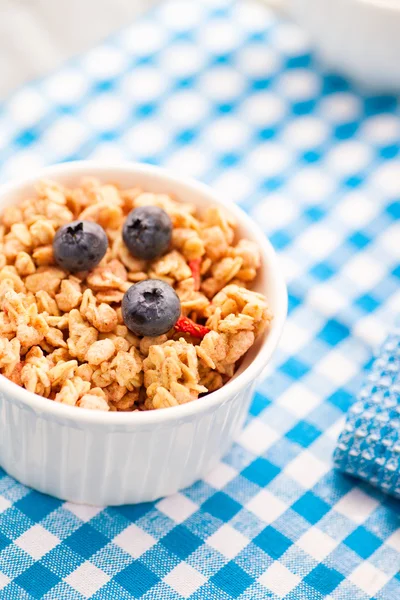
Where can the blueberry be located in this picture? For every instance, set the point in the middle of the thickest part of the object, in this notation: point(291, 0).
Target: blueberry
point(150, 307)
point(79, 246)
point(147, 232)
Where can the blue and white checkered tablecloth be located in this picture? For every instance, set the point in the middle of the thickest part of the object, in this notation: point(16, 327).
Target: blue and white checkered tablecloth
point(226, 92)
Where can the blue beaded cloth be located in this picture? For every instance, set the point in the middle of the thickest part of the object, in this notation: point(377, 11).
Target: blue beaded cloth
point(369, 446)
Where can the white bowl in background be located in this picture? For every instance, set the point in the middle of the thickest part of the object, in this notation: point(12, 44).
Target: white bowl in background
point(358, 38)
point(104, 458)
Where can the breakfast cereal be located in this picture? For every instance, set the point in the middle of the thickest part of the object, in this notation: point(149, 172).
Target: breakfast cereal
point(64, 333)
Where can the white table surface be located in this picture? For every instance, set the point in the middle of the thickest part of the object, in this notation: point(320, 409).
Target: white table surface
point(36, 36)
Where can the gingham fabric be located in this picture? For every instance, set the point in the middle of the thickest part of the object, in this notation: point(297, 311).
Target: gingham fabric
point(226, 92)
point(369, 446)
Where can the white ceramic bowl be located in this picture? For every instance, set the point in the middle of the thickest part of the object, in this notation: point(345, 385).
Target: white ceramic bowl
point(114, 458)
point(359, 38)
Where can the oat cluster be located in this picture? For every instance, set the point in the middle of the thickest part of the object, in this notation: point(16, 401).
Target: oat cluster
point(62, 336)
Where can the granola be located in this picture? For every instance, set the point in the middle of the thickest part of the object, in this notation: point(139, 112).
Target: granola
point(62, 334)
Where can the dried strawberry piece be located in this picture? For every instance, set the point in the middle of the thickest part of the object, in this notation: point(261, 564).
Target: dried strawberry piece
point(194, 266)
point(186, 325)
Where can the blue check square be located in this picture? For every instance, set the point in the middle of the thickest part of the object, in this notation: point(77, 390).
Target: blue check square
point(322, 271)
point(394, 210)
point(261, 471)
point(363, 542)
point(342, 399)
point(86, 541)
point(181, 541)
point(26, 138)
point(232, 580)
point(272, 542)
point(258, 404)
point(315, 213)
point(134, 512)
point(294, 302)
point(311, 507)
point(367, 303)
point(334, 332)
point(103, 86)
point(37, 580)
point(137, 579)
point(359, 239)
point(303, 433)
point(4, 542)
point(37, 506)
point(222, 506)
point(323, 579)
point(280, 239)
point(295, 368)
